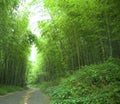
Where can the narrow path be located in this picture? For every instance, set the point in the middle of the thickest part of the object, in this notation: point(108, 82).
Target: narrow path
point(37, 97)
point(32, 96)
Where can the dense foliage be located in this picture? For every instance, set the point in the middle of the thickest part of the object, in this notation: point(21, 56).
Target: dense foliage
point(95, 84)
point(14, 44)
point(76, 40)
point(80, 32)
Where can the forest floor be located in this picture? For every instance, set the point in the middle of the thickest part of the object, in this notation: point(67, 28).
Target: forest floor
point(31, 96)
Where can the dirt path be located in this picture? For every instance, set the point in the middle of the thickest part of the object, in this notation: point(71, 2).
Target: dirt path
point(38, 97)
point(32, 96)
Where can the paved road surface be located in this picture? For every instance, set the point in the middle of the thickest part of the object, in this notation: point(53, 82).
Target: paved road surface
point(32, 96)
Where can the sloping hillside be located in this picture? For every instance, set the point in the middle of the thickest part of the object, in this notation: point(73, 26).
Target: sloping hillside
point(95, 84)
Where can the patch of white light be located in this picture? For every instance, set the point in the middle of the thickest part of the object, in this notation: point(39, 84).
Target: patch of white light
point(28, 1)
point(37, 13)
point(33, 53)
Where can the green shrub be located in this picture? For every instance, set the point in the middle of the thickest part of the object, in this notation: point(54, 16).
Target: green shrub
point(95, 84)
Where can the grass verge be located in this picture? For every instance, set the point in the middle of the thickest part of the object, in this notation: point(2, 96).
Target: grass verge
point(5, 89)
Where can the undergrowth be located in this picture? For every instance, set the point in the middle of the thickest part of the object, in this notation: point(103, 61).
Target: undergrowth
point(95, 84)
point(4, 89)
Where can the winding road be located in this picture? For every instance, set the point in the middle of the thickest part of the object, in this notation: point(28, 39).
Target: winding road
point(31, 96)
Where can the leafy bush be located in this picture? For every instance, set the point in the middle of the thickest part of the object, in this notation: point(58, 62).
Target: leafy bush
point(95, 84)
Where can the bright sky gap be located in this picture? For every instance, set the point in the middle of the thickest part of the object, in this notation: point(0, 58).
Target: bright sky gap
point(37, 13)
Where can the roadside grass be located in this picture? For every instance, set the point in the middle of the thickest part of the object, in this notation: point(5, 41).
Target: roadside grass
point(5, 89)
point(94, 84)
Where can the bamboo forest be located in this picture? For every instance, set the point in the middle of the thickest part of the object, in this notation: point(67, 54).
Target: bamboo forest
point(60, 51)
